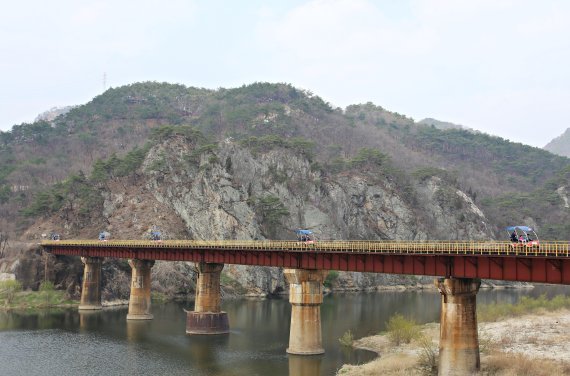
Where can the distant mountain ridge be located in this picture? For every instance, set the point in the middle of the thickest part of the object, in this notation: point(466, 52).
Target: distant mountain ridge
point(443, 125)
point(53, 112)
point(560, 145)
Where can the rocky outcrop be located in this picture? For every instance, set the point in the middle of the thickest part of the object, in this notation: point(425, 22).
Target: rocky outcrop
point(227, 191)
point(215, 195)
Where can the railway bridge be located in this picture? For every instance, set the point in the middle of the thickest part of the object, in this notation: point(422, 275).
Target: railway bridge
point(457, 265)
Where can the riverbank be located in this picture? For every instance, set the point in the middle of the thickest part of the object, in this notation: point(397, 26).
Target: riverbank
point(24, 300)
point(531, 344)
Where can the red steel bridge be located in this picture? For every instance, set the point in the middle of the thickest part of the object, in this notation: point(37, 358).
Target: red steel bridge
point(549, 263)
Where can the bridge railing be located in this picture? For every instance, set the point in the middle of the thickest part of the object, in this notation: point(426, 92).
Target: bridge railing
point(550, 248)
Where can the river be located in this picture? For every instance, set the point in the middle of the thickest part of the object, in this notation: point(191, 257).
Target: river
point(66, 342)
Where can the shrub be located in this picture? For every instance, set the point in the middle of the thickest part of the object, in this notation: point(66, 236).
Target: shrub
point(347, 339)
point(8, 289)
point(331, 278)
point(401, 330)
point(48, 294)
point(366, 156)
point(271, 210)
point(47, 286)
point(427, 360)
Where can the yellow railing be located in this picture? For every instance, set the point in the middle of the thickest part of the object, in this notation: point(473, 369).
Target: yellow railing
point(551, 248)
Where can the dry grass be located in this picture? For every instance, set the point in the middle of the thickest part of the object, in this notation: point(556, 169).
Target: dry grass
point(415, 358)
point(503, 364)
point(534, 344)
point(390, 364)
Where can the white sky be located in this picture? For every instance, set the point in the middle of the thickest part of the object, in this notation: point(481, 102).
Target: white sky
point(500, 66)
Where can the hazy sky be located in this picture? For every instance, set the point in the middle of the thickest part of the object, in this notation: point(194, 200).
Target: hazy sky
point(502, 67)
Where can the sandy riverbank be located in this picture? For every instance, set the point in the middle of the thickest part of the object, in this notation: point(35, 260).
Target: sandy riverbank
point(534, 344)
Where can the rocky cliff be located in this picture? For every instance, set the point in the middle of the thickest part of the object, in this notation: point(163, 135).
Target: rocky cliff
point(230, 191)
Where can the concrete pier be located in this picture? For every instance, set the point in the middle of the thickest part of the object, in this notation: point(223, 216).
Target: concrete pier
point(207, 317)
point(91, 286)
point(305, 296)
point(139, 302)
point(458, 339)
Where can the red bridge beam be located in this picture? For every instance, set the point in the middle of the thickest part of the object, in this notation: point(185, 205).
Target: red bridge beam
point(500, 267)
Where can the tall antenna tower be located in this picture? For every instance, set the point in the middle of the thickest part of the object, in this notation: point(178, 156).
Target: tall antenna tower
point(104, 81)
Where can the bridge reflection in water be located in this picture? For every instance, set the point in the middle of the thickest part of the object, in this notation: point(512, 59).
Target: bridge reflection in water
point(460, 265)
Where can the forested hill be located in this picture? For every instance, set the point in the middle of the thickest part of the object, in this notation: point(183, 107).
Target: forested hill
point(123, 122)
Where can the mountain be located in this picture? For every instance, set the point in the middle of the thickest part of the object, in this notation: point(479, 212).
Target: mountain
point(34, 157)
point(255, 162)
point(560, 145)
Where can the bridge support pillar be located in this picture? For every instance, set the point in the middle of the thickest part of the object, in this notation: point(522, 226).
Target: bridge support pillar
point(139, 301)
point(207, 317)
point(91, 286)
point(458, 339)
point(305, 296)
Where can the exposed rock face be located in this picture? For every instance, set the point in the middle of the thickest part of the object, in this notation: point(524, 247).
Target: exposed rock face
point(215, 202)
point(221, 192)
point(560, 145)
point(215, 198)
point(453, 215)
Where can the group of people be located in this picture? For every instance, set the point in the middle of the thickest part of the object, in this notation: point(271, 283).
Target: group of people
point(523, 238)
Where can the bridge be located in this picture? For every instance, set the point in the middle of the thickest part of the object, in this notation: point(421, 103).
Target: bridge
point(459, 265)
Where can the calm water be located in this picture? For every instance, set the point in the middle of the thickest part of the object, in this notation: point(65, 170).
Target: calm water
point(66, 342)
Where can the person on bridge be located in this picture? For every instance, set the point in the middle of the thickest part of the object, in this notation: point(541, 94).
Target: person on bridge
point(514, 237)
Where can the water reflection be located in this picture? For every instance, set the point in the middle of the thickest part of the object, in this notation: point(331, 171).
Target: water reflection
point(305, 365)
point(89, 320)
point(71, 342)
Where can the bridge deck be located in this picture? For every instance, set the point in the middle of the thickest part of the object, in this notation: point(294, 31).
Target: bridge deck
point(550, 263)
point(546, 249)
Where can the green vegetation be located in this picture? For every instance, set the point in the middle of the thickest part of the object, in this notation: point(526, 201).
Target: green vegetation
point(164, 132)
point(496, 312)
point(139, 101)
point(266, 143)
point(12, 296)
point(553, 222)
point(76, 194)
point(365, 159)
point(368, 157)
point(194, 157)
point(158, 297)
point(347, 339)
point(229, 282)
point(401, 330)
point(114, 167)
point(8, 290)
point(332, 276)
point(5, 193)
point(425, 173)
point(503, 157)
point(271, 211)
